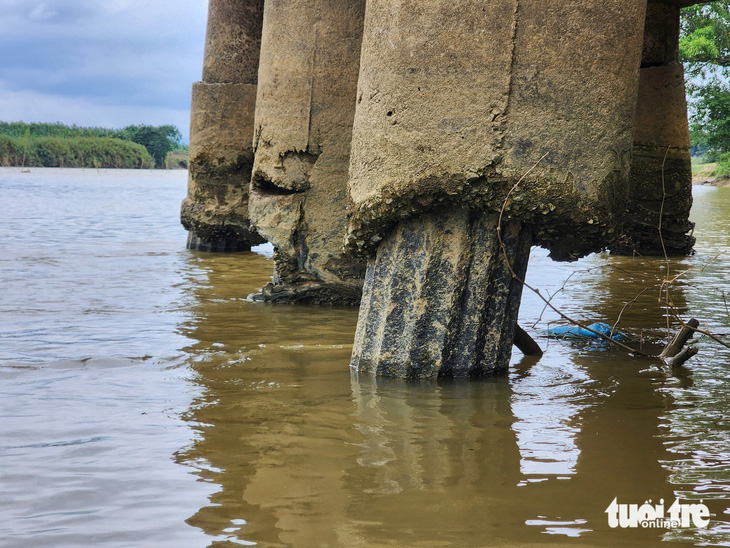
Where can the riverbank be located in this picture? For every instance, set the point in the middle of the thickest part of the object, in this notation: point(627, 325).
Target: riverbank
point(89, 173)
point(704, 174)
point(723, 183)
point(711, 181)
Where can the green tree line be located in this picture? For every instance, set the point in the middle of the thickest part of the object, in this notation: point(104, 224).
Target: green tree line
point(61, 145)
point(704, 48)
point(100, 152)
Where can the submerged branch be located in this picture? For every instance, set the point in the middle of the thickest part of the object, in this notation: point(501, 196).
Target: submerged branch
point(526, 344)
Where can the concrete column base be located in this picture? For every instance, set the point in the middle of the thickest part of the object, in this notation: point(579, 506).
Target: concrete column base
point(309, 63)
point(439, 299)
point(661, 170)
point(221, 134)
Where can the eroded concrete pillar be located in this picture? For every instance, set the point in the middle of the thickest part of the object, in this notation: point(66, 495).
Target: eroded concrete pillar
point(457, 103)
point(440, 299)
point(215, 211)
point(661, 171)
point(304, 112)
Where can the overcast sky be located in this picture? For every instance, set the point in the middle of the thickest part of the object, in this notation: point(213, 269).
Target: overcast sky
point(108, 63)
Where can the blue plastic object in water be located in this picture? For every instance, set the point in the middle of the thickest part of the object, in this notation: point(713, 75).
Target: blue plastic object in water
point(575, 332)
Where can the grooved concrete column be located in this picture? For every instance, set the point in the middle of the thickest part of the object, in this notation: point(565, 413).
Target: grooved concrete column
point(661, 171)
point(215, 211)
point(439, 298)
point(304, 110)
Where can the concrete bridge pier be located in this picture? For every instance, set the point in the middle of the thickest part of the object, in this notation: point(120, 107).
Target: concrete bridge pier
point(661, 171)
point(215, 211)
point(465, 111)
point(304, 111)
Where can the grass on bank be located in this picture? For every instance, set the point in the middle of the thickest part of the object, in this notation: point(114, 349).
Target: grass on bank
point(98, 152)
point(60, 145)
point(712, 173)
point(703, 169)
point(722, 167)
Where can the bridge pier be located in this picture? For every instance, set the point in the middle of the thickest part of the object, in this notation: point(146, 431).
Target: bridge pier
point(448, 134)
point(305, 106)
point(406, 129)
point(215, 211)
point(661, 171)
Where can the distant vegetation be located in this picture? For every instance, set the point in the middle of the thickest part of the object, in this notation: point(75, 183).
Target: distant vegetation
point(59, 145)
point(704, 49)
point(101, 152)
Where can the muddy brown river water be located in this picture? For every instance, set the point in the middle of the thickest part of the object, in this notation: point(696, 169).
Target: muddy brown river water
point(145, 402)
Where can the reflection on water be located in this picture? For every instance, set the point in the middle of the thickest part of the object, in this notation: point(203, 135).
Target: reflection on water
point(144, 400)
point(547, 409)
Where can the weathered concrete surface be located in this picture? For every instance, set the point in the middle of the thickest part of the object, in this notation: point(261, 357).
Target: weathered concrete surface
point(661, 172)
point(439, 297)
point(438, 109)
point(216, 208)
point(304, 112)
point(233, 41)
point(442, 120)
point(535, 92)
point(215, 211)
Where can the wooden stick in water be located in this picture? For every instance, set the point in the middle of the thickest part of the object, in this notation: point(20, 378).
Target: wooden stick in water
point(526, 344)
point(685, 334)
point(683, 356)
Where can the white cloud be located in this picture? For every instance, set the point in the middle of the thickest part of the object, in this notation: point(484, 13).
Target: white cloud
point(42, 13)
